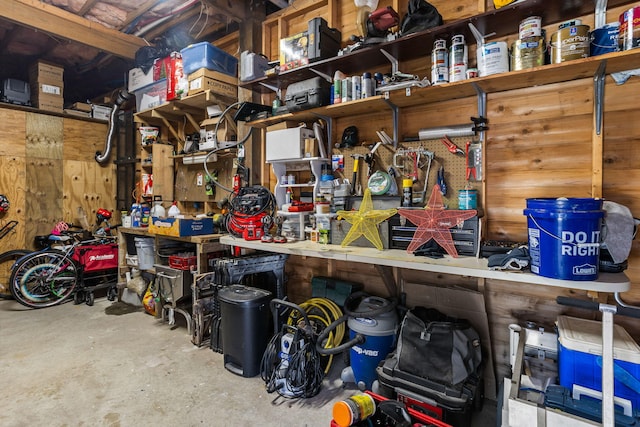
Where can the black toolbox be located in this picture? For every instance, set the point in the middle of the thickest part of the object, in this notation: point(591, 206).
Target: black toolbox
point(324, 42)
point(466, 238)
point(452, 404)
point(311, 93)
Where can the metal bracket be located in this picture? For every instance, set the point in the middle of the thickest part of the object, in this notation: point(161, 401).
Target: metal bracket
point(482, 107)
point(271, 87)
point(600, 13)
point(327, 77)
point(395, 113)
point(598, 94)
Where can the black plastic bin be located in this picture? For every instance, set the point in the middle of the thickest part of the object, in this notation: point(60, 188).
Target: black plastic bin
point(246, 327)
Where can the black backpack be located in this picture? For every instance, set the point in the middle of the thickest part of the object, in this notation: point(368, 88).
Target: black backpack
point(421, 15)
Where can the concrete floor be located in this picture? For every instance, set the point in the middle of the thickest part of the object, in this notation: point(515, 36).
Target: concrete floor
point(75, 365)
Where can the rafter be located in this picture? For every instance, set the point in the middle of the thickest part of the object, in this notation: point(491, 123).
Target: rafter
point(60, 23)
point(87, 6)
point(145, 7)
point(234, 10)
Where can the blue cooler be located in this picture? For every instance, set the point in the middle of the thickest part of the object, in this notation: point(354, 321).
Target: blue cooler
point(579, 351)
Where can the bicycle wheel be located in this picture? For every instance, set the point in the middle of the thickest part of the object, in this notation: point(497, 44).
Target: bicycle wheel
point(44, 279)
point(7, 259)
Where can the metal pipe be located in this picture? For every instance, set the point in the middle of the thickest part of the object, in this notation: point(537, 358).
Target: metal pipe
point(122, 97)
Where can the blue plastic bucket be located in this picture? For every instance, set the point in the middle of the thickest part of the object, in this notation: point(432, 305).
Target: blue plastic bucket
point(564, 237)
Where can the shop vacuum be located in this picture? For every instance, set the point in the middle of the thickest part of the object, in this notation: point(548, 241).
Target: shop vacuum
point(372, 336)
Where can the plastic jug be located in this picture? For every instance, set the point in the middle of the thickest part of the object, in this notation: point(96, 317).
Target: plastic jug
point(158, 210)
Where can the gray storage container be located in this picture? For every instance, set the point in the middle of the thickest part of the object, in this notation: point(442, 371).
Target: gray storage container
point(311, 93)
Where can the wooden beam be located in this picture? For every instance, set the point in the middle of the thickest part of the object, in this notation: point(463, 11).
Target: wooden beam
point(87, 7)
point(145, 7)
point(234, 10)
point(60, 23)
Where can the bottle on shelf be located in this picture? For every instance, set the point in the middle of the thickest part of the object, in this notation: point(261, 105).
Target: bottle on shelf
point(174, 210)
point(136, 215)
point(158, 210)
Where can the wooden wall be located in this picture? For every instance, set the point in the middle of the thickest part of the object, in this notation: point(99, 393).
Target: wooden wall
point(48, 172)
point(540, 143)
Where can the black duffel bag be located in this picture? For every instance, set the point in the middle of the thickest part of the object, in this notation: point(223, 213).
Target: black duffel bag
point(438, 347)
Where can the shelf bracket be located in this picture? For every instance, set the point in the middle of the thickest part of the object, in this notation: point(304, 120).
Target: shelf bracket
point(482, 107)
point(598, 94)
point(395, 111)
point(327, 77)
point(168, 125)
point(600, 13)
point(329, 122)
point(270, 87)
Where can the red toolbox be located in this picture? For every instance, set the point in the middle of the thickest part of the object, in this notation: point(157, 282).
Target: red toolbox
point(183, 262)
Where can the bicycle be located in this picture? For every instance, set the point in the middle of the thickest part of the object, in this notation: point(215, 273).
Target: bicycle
point(71, 266)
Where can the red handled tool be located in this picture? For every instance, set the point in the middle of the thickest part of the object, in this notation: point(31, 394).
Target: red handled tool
point(451, 146)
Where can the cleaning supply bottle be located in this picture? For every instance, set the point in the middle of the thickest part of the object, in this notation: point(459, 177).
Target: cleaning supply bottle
point(136, 215)
point(174, 211)
point(158, 210)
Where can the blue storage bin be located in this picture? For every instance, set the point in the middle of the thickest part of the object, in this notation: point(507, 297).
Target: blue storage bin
point(206, 55)
point(580, 347)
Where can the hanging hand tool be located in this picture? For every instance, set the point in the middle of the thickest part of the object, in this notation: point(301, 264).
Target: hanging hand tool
point(474, 161)
point(354, 177)
point(451, 146)
point(370, 159)
point(441, 182)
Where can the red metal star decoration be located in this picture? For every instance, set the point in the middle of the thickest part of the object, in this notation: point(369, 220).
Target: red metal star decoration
point(434, 222)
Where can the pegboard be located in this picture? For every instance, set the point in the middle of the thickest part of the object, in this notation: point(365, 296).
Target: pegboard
point(455, 167)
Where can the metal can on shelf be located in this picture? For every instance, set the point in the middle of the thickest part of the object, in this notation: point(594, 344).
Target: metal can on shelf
point(458, 59)
point(439, 62)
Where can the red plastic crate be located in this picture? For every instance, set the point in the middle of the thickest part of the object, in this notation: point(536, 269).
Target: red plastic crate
point(183, 262)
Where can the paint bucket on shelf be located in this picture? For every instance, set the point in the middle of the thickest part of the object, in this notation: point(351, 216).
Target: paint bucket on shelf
point(145, 249)
point(527, 53)
point(564, 237)
point(604, 39)
point(493, 58)
point(570, 43)
point(629, 29)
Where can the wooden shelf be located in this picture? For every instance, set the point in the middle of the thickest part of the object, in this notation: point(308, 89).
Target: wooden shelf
point(177, 109)
point(463, 266)
point(502, 22)
point(547, 74)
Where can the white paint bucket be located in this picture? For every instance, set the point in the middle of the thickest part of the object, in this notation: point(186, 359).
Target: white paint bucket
point(493, 58)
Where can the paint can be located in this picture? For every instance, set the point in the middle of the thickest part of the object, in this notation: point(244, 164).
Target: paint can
point(629, 29)
point(493, 58)
point(458, 59)
point(467, 199)
point(530, 27)
point(570, 43)
point(439, 62)
point(527, 53)
point(604, 39)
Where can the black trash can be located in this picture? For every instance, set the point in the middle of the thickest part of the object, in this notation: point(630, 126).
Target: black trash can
point(246, 327)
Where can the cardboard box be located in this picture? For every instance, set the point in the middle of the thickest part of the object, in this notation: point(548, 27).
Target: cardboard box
point(180, 227)
point(287, 144)
point(294, 51)
point(46, 72)
point(139, 79)
point(47, 97)
point(220, 83)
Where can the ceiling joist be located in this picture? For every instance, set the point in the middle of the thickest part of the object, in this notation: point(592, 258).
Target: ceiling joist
point(60, 23)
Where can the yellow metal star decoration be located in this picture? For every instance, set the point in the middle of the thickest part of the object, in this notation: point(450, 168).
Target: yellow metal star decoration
point(364, 222)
